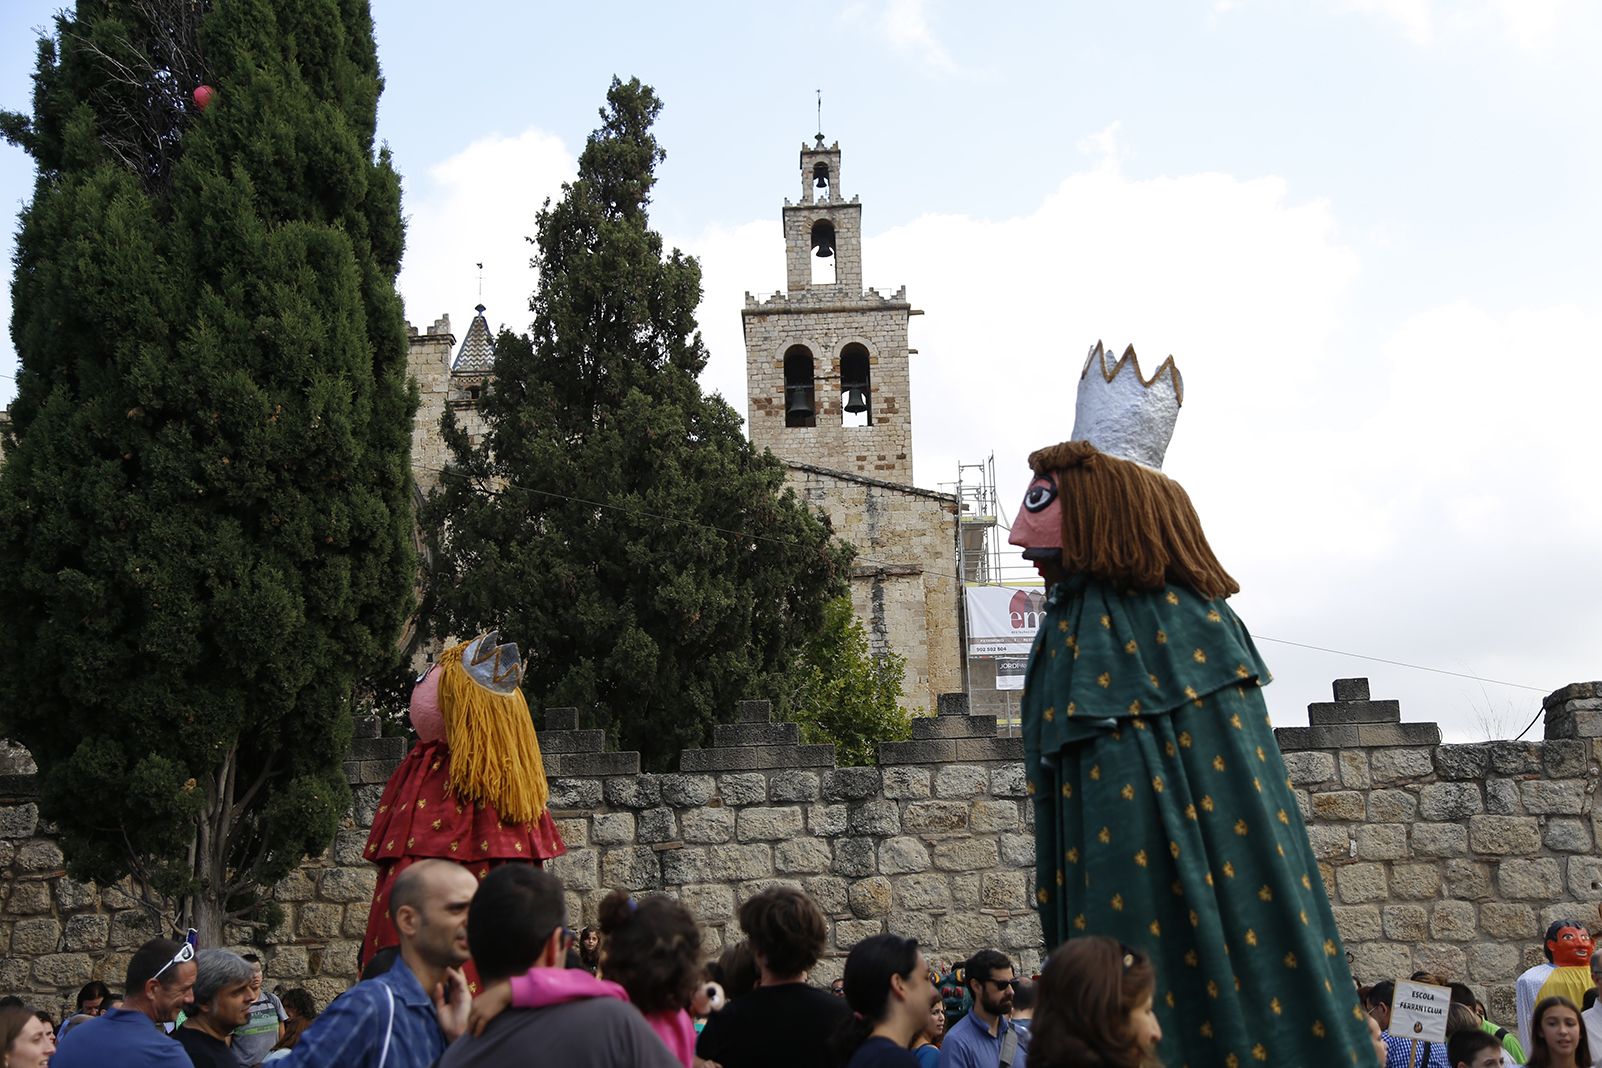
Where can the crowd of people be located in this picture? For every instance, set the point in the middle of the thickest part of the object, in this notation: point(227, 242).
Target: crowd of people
point(638, 990)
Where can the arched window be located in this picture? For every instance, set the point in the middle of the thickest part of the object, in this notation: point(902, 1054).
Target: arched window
point(823, 257)
point(820, 181)
point(856, 387)
point(800, 405)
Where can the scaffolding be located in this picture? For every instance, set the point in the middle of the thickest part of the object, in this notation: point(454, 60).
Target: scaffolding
point(980, 541)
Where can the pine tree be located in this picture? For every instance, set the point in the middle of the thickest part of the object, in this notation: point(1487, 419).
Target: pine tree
point(205, 526)
point(613, 519)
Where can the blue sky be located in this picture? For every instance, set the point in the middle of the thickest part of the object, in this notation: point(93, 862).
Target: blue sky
point(1368, 231)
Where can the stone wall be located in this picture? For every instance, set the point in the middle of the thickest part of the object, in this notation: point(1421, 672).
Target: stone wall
point(1450, 858)
point(903, 582)
point(428, 363)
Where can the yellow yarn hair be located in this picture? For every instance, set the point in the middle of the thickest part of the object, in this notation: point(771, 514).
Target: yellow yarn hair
point(495, 756)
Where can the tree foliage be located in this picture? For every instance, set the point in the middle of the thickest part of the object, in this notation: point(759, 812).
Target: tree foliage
point(613, 519)
point(205, 510)
point(845, 695)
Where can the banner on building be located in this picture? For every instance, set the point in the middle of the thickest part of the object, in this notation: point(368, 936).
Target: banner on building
point(1002, 620)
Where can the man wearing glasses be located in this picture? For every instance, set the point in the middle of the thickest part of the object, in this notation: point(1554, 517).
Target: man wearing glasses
point(160, 978)
point(985, 1038)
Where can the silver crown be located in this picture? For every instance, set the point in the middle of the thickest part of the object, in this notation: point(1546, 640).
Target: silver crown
point(1124, 414)
point(498, 668)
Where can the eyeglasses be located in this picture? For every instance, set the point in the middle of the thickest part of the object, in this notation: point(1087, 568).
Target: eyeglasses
point(186, 953)
point(1006, 983)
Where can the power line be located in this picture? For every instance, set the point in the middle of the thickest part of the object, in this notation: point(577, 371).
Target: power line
point(1398, 663)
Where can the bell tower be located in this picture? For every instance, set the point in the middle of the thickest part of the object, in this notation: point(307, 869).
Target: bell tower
point(827, 361)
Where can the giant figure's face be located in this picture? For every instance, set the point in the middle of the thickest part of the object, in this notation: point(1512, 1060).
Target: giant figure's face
point(1037, 529)
point(1571, 948)
point(427, 720)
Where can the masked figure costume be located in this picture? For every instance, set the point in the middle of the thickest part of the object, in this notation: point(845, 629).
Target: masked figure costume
point(1163, 813)
point(1570, 948)
point(473, 789)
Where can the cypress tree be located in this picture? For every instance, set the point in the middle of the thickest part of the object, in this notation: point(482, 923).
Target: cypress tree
point(205, 528)
point(614, 519)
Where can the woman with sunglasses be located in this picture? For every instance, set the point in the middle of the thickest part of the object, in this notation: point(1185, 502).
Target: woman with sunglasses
point(1095, 1008)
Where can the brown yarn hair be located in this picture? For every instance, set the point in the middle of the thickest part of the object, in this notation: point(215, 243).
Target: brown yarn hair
point(1087, 994)
point(651, 947)
point(786, 928)
point(1129, 525)
point(1540, 1052)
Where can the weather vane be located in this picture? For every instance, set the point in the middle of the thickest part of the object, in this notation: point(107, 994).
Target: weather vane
point(481, 281)
point(820, 115)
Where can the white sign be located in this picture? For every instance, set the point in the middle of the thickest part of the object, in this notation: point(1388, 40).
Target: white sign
point(1002, 620)
point(1418, 1010)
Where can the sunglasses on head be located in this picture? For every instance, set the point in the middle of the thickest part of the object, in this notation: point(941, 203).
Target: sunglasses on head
point(186, 953)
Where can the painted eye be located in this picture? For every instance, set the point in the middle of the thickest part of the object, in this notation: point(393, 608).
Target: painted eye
point(1042, 491)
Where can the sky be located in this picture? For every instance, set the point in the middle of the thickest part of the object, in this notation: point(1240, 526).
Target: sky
point(1368, 231)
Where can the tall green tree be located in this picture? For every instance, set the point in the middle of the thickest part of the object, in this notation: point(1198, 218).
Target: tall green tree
point(613, 519)
point(845, 694)
point(205, 509)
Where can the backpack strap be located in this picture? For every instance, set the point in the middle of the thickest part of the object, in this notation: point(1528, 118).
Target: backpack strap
point(389, 1025)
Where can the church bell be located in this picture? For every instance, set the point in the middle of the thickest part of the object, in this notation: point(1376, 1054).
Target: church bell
point(856, 400)
point(823, 236)
point(798, 401)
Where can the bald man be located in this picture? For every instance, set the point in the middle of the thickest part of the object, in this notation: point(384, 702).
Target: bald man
point(405, 1017)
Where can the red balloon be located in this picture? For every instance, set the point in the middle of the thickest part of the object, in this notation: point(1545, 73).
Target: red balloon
point(204, 95)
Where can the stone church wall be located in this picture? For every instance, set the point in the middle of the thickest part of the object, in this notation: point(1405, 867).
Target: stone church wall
point(1451, 858)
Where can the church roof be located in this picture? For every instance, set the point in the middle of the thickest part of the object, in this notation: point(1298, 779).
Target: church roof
point(477, 354)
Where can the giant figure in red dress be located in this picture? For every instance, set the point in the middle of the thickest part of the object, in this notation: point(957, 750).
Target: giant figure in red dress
point(473, 789)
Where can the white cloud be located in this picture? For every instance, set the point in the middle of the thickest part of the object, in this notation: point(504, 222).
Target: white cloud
point(478, 206)
point(1531, 24)
point(906, 26)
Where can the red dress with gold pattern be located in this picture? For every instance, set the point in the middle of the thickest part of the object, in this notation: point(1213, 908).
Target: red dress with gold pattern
point(418, 817)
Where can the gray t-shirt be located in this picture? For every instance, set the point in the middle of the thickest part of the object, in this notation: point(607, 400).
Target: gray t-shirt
point(594, 1033)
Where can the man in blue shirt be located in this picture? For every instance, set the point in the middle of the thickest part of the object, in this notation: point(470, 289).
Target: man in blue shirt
point(405, 1017)
point(160, 976)
point(985, 1038)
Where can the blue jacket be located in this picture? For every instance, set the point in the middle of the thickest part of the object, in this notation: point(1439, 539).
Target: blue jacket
point(122, 1037)
point(352, 1032)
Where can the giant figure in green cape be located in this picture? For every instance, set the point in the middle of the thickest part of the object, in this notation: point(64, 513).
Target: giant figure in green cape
point(1163, 814)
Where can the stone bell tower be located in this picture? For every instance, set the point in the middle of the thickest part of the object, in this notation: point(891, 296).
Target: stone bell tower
point(826, 362)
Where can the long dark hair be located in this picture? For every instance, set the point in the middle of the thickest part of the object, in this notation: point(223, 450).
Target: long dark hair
point(1540, 1052)
point(1088, 989)
point(653, 950)
point(868, 969)
point(13, 1018)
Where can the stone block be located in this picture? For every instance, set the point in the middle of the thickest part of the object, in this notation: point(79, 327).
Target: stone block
point(1376, 735)
point(1509, 922)
point(633, 791)
point(855, 858)
point(1449, 801)
point(1405, 923)
point(1397, 765)
point(1023, 932)
point(1585, 878)
point(768, 824)
point(72, 895)
point(1311, 768)
point(353, 926)
point(1515, 758)
point(961, 781)
point(575, 832)
point(919, 926)
point(1359, 883)
point(801, 856)
point(593, 764)
point(795, 786)
point(926, 817)
point(1502, 797)
point(14, 971)
point(728, 862)
point(1522, 879)
point(1563, 798)
point(682, 866)
point(1018, 850)
point(19, 821)
point(287, 962)
point(907, 783)
point(631, 869)
point(990, 817)
point(612, 828)
point(348, 884)
point(350, 846)
point(578, 868)
point(754, 711)
point(1567, 835)
point(554, 742)
point(898, 856)
point(951, 704)
point(1452, 921)
point(922, 893)
point(730, 735)
point(1440, 839)
point(963, 933)
point(879, 818)
point(129, 930)
point(966, 854)
point(707, 825)
point(852, 784)
point(1335, 713)
point(1338, 805)
point(1490, 963)
point(1354, 773)
point(39, 856)
point(686, 791)
point(829, 891)
point(989, 749)
point(748, 788)
point(847, 933)
point(926, 751)
point(1504, 835)
point(1415, 881)
point(1347, 690)
point(870, 898)
point(1357, 923)
point(31, 898)
point(656, 825)
point(826, 820)
point(1382, 841)
point(575, 793)
point(1329, 843)
point(1445, 960)
point(1008, 780)
point(35, 937)
point(364, 803)
point(1005, 890)
point(561, 719)
point(708, 902)
point(1455, 763)
point(1467, 880)
point(63, 969)
point(1565, 759)
point(317, 922)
